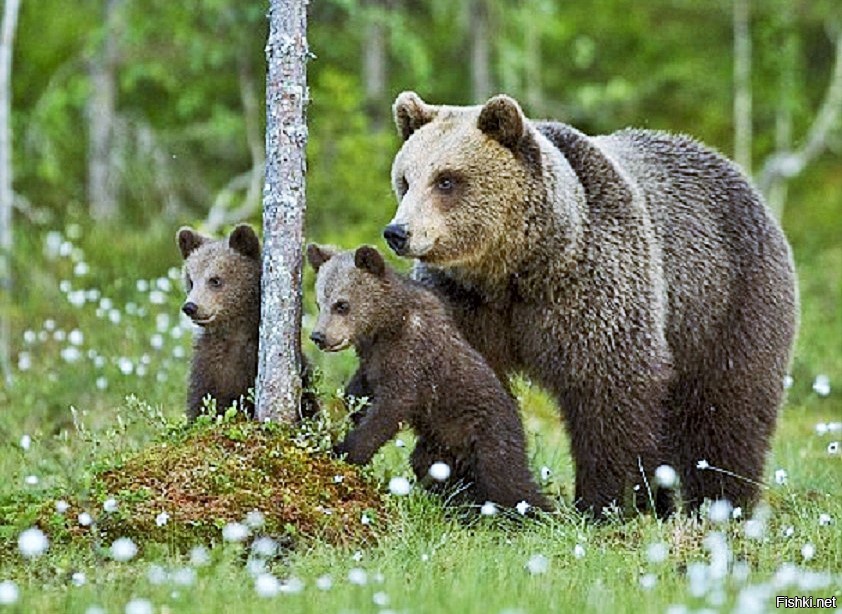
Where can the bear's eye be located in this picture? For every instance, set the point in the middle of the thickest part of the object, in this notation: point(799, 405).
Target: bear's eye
point(189, 283)
point(445, 183)
point(215, 282)
point(341, 308)
point(403, 186)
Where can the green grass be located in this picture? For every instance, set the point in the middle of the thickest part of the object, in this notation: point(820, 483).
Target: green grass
point(126, 387)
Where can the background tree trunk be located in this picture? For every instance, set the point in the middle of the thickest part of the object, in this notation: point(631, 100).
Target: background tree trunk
point(279, 363)
point(742, 84)
point(10, 20)
point(478, 25)
point(374, 62)
point(102, 183)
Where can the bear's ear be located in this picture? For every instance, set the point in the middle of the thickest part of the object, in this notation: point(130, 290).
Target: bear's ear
point(369, 259)
point(317, 255)
point(189, 240)
point(502, 119)
point(411, 113)
point(243, 239)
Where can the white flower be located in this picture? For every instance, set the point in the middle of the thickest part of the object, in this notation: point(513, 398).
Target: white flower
point(29, 336)
point(337, 479)
point(9, 593)
point(32, 543)
point(79, 578)
point(76, 337)
point(142, 285)
point(380, 599)
point(114, 316)
point(156, 574)
point(754, 528)
point(139, 606)
point(49, 324)
point(824, 520)
point(666, 477)
point(522, 507)
point(702, 464)
point(439, 471)
point(324, 583)
point(199, 556)
point(788, 531)
point(101, 383)
point(357, 556)
point(184, 576)
point(163, 284)
point(488, 509)
point(110, 505)
point(265, 547)
point(737, 513)
point(648, 581)
point(156, 297)
point(537, 564)
point(85, 519)
point(657, 552)
point(70, 354)
point(25, 442)
point(821, 385)
point(125, 365)
point(234, 532)
point(833, 447)
point(720, 510)
point(162, 519)
point(62, 506)
point(266, 585)
point(579, 551)
point(292, 586)
point(123, 549)
point(156, 341)
point(365, 518)
point(24, 361)
point(399, 486)
point(808, 551)
point(31, 480)
point(358, 576)
point(780, 476)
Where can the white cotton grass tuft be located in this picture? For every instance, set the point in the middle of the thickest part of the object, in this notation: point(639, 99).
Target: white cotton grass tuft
point(808, 551)
point(32, 543)
point(488, 508)
point(139, 606)
point(264, 547)
point(720, 511)
point(9, 593)
point(234, 532)
point(110, 505)
point(657, 553)
point(123, 549)
point(25, 442)
point(648, 581)
point(255, 519)
point(825, 520)
point(702, 464)
point(78, 578)
point(579, 551)
point(781, 477)
point(821, 385)
point(266, 585)
point(666, 476)
point(399, 486)
point(292, 586)
point(537, 564)
point(522, 507)
point(358, 576)
point(199, 556)
point(85, 519)
point(324, 583)
point(439, 471)
point(162, 519)
point(62, 506)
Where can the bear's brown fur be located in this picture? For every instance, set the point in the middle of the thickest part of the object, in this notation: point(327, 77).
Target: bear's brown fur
point(637, 276)
point(421, 371)
point(222, 278)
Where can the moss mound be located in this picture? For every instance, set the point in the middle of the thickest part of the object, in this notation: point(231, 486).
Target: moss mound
point(183, 491)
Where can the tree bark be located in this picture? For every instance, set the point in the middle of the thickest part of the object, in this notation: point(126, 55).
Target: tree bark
point(7, 37)
point(102, 184)
point(279, 364)
point(478, 25)
point(742, 84)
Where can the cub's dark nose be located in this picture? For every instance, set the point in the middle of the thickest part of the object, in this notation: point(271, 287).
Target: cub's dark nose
point(397, 236)
point(190, 309)
point(319, 339)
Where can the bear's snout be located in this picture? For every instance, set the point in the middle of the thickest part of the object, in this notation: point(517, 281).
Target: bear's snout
point(397, 236)
point(319, 339)
point(190, 309)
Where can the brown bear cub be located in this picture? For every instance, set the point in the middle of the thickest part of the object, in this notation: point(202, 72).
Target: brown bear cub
point(420, 371)
point(222, 278)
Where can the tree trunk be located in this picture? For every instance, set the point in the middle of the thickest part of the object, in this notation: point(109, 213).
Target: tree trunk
point(742, 84)
point(102, 184)
point(374, 62)
point(480, 50)
point(533, 60)
point(279, 363)
point(10, 19)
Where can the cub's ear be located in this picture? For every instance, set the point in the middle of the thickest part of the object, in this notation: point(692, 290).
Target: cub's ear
point(244, 240)
point(189, 240)
point(317, 255)
point(369, 259)
point(502, 119)
point(411, 113)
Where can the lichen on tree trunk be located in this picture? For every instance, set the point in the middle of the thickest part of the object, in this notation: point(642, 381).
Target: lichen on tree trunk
point(278, 388)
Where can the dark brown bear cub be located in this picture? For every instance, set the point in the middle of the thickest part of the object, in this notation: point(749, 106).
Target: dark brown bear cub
point(420, 371)
point(222, 279)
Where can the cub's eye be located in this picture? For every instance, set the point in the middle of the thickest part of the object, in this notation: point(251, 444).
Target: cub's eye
point(341, 308)
point(215, 282)
point(445, 183)
point(403, 186)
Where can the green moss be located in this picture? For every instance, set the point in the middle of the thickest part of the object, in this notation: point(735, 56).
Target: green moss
point(209, 475)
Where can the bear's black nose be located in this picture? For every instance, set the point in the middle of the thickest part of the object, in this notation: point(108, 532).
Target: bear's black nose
point(397, 236)
point(190, 309)
point(318, 338)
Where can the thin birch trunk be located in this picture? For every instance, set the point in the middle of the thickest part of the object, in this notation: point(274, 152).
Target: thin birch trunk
point(10, 19)
point(478, 25)
point(742, 84)
point(279, 364)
